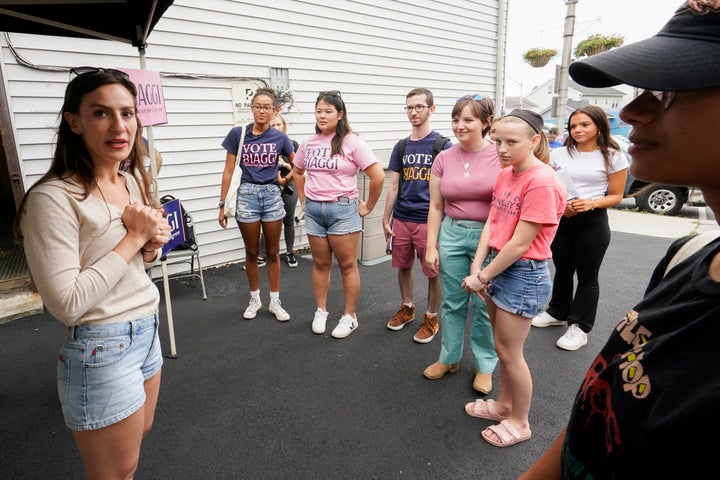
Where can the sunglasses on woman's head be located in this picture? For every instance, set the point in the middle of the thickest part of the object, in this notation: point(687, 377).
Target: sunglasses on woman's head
point(474, 96)
point(90, 70)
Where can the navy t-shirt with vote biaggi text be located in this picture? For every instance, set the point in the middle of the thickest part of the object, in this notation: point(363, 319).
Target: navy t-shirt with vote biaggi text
point(260, 153)
point(413, 198)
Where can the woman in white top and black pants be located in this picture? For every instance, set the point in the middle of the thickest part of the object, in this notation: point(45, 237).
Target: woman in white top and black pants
point(594, 171)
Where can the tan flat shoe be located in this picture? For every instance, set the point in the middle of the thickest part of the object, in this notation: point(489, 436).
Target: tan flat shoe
point(438, 370)
point(483, 382)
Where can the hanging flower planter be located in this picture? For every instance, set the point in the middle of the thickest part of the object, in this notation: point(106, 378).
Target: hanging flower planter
point(538, 62)
point(597, 43)
point(596, 50)
point(539, 57)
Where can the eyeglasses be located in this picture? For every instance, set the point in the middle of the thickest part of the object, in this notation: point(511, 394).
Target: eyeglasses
point(330, 93)
point(474, 96)
point(417, 108)
point(88, 70)
point(263, 108)
point(666, 99)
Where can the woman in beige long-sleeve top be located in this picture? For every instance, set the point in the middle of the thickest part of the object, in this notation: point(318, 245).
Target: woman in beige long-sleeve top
point(89, 233)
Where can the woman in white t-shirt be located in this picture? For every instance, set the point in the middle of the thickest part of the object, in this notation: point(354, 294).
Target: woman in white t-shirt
point(594, 171)
point(333, 211)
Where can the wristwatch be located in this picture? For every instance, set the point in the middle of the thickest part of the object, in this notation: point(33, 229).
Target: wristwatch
point(221, 204)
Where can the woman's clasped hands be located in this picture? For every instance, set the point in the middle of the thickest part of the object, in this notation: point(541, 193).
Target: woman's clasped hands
point(476, 283)
point(147, 223)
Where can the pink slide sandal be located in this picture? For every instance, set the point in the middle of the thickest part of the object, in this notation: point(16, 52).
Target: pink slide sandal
point(506, 433)
point(483, 409)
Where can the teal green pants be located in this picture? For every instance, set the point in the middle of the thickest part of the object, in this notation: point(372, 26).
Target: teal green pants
point(457, 242)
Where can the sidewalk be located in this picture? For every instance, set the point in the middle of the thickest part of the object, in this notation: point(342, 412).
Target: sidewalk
point(654, 225)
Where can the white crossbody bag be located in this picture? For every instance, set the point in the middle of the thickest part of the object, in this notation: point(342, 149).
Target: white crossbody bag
point(232, 193)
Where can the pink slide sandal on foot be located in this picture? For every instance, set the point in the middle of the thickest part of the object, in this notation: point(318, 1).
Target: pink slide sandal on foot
point(506, 433)
point(483, 409)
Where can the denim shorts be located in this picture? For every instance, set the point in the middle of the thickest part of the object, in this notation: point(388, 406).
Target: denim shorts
point(101, 370)
point(259, 203)
point(332, 218)
point(523, 288)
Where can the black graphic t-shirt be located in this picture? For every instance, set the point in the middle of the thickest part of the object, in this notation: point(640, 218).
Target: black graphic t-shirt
point(655, 386)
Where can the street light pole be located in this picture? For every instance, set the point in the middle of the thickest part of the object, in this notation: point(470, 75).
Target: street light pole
point(521, 88)
point(562, 79)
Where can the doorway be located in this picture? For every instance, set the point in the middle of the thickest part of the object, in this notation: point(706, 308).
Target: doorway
point(14, 273)
point(13, 269)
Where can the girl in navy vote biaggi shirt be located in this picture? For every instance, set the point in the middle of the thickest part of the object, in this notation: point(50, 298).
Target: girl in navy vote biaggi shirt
point(259, 201)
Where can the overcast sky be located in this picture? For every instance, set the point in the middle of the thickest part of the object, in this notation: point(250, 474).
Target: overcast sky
point(540, 23)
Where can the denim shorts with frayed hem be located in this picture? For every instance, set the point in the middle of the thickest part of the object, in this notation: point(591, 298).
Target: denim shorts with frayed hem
point(332, 218)
point(102, 368)
point(523, 288)
point(259, 203)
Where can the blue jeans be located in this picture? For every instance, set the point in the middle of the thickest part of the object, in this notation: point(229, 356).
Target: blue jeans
point(457, 242)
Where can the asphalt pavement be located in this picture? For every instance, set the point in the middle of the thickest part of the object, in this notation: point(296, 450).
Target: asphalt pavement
point(262, 399)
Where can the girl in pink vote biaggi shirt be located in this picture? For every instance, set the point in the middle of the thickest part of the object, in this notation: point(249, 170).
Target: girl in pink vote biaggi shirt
point(333, 212)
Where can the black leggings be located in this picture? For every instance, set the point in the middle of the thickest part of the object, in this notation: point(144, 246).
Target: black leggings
point(579, 248)
point(290, 202)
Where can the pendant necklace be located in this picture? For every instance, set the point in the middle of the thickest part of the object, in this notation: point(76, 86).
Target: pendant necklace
point(467, 165)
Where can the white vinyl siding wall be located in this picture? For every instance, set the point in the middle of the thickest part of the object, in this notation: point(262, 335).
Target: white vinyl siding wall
point(373, 51)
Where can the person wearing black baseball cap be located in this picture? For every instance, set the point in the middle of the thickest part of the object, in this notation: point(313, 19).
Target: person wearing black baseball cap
point(654, 388)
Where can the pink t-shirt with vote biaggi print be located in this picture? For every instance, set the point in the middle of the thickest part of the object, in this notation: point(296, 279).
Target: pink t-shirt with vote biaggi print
point(331, 176)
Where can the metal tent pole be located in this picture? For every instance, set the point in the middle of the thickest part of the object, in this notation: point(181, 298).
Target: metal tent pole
point(156, 193)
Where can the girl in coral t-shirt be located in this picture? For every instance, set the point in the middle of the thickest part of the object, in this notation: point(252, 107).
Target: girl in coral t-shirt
point(528, 201)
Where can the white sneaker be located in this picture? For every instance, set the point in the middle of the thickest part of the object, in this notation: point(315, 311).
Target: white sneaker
point(276, 309)
point(318, 323)
point(252, 308)
point(573, 339)
point(544, 319)
point(345, 326)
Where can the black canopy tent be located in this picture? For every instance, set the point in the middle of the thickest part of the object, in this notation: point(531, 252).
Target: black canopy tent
point(125, 21)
